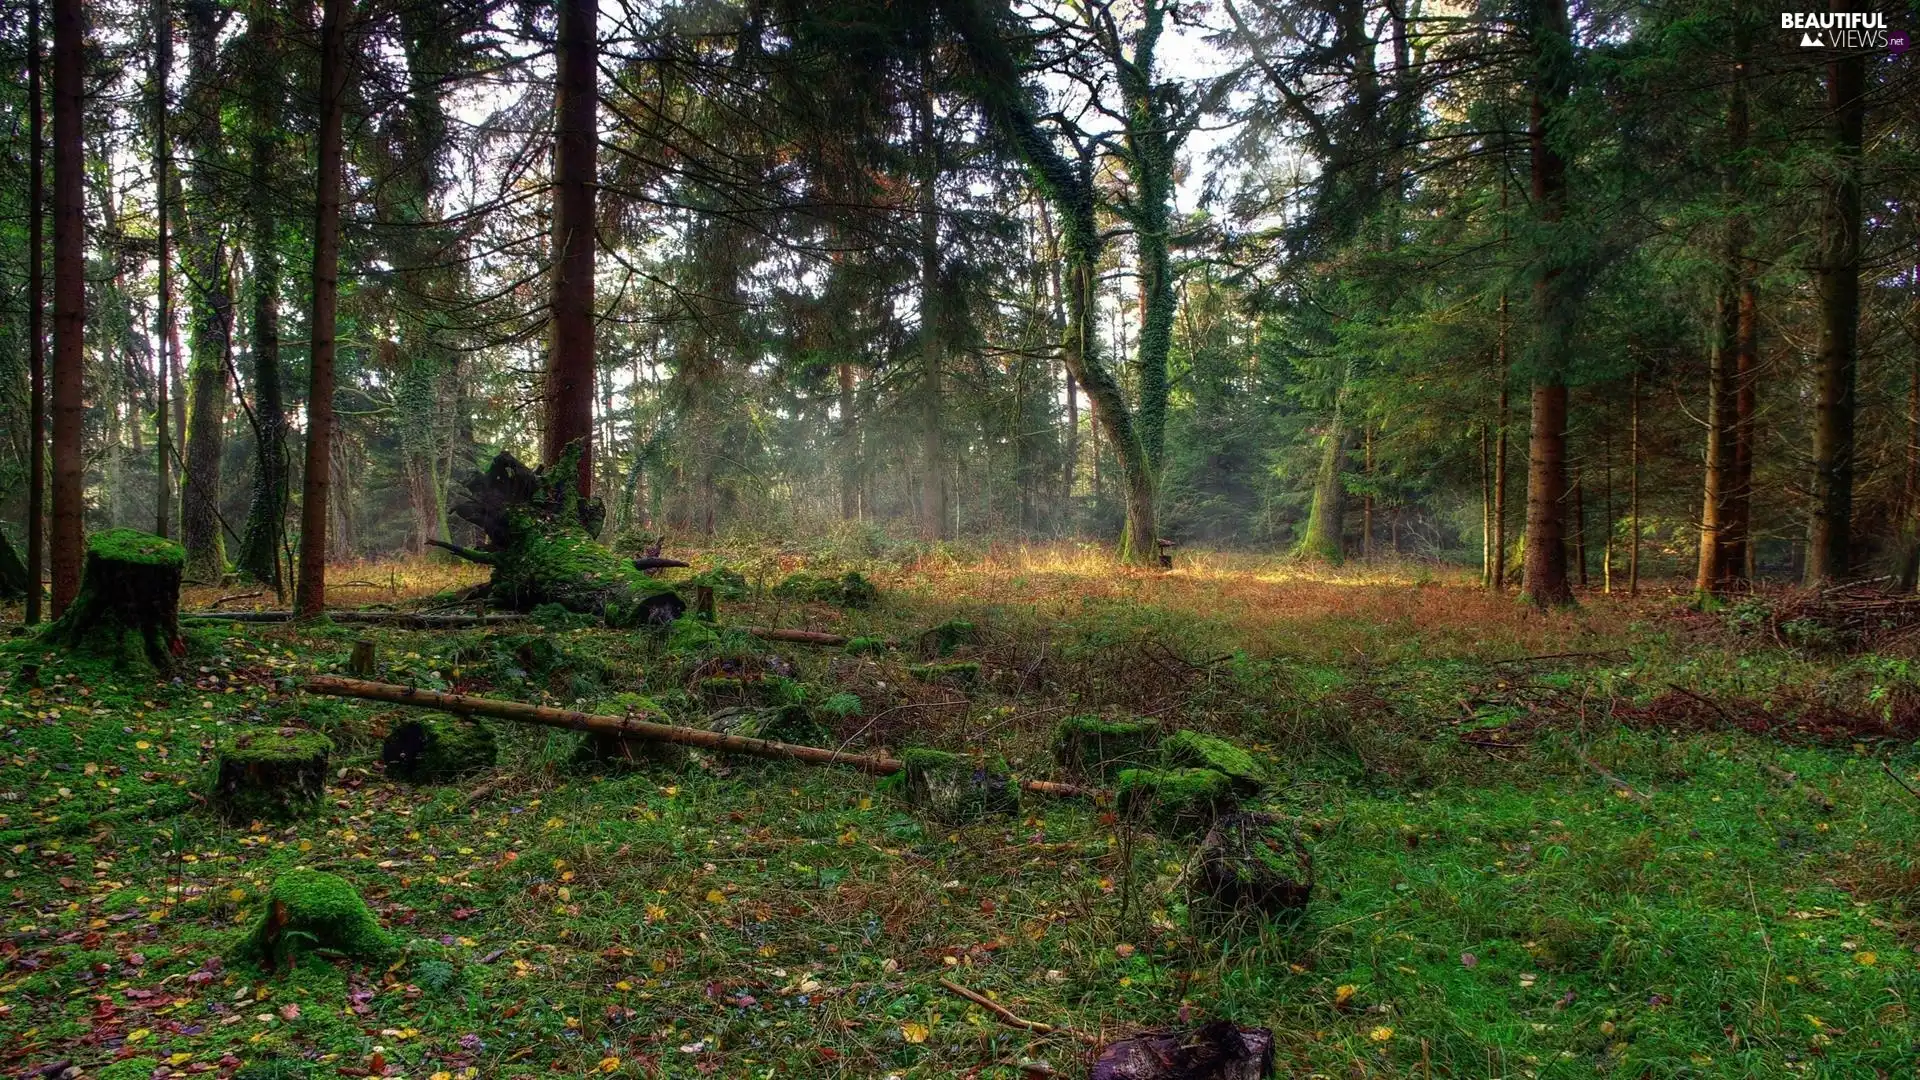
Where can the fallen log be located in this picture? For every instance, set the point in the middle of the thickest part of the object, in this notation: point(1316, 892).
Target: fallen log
point(796, 637)
point(626, 727)
point(391, 617)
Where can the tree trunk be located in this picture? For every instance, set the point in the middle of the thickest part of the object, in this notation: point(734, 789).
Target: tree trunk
point(570, 363)
point(1837, 285)
point(267, 509)
point(1739, 525)
point(1366, 498)
point(1910, 487)
point(164, 330)
point(1578, 495)
point(69, 304)
point(36, 331)
point(933, 459)
point(1324, 536)
point(1486, 512)
point(1500, 471)
point(1633, 484)
point(210, 340)
point(311, 598)
point(1546, 557)
point(849, 449)
point(1719, 542)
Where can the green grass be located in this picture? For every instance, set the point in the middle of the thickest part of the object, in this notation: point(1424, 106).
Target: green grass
point(1521, 870)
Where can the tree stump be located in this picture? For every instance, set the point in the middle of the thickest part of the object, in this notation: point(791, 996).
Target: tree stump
point(1195, 750)
point(270, 774)
point(542, 548)
point(955, 789)
point(1183, 800)
point(317, 911)
point(434, 749)
point(1219, 1051)
point(13, 572)
point(1091, 746)
point(1257, 862)
point(129, 588)
point(363, 660)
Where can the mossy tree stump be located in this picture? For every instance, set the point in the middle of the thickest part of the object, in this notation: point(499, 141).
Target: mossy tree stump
point(541, 543)
point(434, 749)
point(1257, 862)
point(1091, 746)
point(270, 774)
point(1184, 800)
point(129, 590)
point(954, 789)
point(1195, 750)
point(309, 910)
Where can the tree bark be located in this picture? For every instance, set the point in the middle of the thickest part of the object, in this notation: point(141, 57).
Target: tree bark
point(1837, 286)
point(1633, 484)
point(1324, 536)
point(1546, 556)
point(1719, 539)
point(570, 363)
point(69, 304)
point(849, 449)
point(210, 339)
point(311, 597)
point(163, 324)
point(267, 509)
point(36, 330)
point(933, 458)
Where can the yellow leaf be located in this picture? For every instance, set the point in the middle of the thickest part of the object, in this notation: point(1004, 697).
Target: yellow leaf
point(623, 985)
point(1865, 959)
point(1380, 1034)
point(1343, 993)
point(609, 1064)
point(914, 1033)
point(441, 1075)
point(142, 745)
point(715, 896)
point(138, 1034)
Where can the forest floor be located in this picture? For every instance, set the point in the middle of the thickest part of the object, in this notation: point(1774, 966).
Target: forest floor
point(1626, 840)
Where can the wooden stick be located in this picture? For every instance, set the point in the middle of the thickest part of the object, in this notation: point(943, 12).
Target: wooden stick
point(798, 637)
point(1007, 1017)
point(1898, 780)
point(238, 596)
point(469, 554)
point(625, 727)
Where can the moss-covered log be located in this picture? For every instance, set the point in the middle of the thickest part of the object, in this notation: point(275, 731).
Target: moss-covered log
point(432, 749)
point(542, 548)
point(1197, 750)
point(269, 774)
point(312, 910)
point(1179, 799)
point(128, 607)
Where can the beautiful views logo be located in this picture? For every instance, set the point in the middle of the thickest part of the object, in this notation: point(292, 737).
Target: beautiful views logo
point(1842, 30)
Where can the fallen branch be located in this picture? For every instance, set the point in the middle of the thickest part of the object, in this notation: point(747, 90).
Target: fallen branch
point(1618, 783)
point(469, 554)
point(650, 563)
point(1008, 1018)
point(625, 727)
point(387, 617)
point(797, 637)
point(238, 596)
point(1897, 779)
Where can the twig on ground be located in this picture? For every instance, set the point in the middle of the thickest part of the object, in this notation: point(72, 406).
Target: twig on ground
point(1904, 786)
point(1618, 783)
point(1008, 1018)
point(238, 596)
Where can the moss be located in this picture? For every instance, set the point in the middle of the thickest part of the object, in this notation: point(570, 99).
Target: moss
point(432, 749)
point(1093, 746)
point(955, 789)
point(269, 774)
point(137, 548)
point(860, 646)
point(841, 705)
point(312, 910)
point(726, 583)
point(850, 590)
point(1180, 799)
point(274, 1068)
point(1196, 750)
point(964, 673)
point(139, 1068)
point(782, 723)
point(941, 640)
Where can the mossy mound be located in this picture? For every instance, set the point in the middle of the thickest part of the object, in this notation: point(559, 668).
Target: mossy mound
point(866, 645)
point(1254, 861)
point(138, 1068)
point(1178, 799)
point(128, 607)
point(309, 910)
point(274, 1068)
point(269, 774)
point(779, 723)
point(1091, 746)
point(1196, 750)
point(726, 583)
point(434, 749)
point(956, 789)
point(964, 673)
point(599, 748)
point(849, 590)
point(941, 640)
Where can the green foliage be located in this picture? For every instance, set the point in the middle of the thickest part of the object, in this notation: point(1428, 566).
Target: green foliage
point(850, 590)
